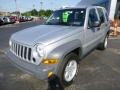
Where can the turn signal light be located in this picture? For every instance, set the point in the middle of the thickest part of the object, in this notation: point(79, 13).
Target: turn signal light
point(50, 61)
point(50, 74)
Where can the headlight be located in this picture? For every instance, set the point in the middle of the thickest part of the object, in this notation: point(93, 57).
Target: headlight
point(40, 50)
point(10, 43)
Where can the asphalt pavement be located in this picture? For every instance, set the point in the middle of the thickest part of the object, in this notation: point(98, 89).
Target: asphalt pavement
point(100, 70)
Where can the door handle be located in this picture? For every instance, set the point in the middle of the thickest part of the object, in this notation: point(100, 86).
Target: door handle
point(98, 28)
point(106, 24)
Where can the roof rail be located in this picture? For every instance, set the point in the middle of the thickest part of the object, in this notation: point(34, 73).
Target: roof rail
point(65, 7)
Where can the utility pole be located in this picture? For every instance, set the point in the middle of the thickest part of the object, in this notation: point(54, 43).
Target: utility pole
point(41, 4)
point(33, 9)
point(33, 6)
point(16, 5)
point(17, 9)
point(52, 4)
point(0, 8)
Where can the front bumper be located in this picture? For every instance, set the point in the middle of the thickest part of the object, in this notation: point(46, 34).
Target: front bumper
point(40, 71)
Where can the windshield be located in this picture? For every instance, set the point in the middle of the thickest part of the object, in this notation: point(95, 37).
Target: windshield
point(74, 17)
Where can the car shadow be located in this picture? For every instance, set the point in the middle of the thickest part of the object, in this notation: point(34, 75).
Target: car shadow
point(54, 83)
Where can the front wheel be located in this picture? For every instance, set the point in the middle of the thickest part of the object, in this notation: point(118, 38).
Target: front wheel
point(68, 69)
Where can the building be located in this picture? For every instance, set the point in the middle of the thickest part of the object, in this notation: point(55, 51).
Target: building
point(112, 6)
point(4, 13)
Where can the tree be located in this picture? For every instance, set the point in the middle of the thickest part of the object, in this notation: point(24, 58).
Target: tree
point(27, 13)
point(42, 13)
point(48, 13)
point(34, 12)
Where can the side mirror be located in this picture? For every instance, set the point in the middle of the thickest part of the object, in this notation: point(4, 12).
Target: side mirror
point(95, 24)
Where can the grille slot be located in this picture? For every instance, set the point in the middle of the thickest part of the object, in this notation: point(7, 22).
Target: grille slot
point(29, 54)
point(21, 51)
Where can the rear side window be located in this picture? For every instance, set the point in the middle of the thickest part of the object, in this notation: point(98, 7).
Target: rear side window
point(101, 15)
point(106, 14)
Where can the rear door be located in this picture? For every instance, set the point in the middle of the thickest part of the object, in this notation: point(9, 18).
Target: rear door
point(104, 26)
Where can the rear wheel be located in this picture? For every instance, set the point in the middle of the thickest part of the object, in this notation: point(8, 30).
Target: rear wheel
point(103, 45)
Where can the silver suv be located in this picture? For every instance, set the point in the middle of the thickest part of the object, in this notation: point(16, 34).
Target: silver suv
point(56, 47)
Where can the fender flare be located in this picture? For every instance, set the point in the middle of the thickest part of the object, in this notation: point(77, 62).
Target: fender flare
point(61, 51)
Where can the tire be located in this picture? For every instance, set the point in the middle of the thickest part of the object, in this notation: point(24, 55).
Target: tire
point(103, 46)
point(68, 66)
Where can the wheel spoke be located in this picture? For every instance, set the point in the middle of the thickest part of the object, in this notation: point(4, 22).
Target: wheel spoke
point(70, 64)
point(70, 74)
point(67, 69)
point(66, 74)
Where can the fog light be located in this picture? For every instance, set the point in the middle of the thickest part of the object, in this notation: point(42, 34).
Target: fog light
point(50, 74)
point(50, 61)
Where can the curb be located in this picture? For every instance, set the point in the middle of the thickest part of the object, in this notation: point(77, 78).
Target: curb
point(118, 29)
point(1, 51)
point(117, 37)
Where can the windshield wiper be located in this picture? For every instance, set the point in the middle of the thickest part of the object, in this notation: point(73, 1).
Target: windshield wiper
point(48, 23)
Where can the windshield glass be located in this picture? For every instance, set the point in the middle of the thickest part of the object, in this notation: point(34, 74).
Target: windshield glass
point(74, 17)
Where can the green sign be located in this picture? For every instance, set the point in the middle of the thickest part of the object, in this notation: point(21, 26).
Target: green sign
point(65, 16)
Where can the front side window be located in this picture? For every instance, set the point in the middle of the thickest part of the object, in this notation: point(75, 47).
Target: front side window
point(92, 16)
point(68, 17)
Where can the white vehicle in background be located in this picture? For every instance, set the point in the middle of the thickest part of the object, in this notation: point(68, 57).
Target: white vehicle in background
point(1, 20)
point(9, 19)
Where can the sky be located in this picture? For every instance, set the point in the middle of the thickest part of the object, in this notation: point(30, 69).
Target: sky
point(26, 5)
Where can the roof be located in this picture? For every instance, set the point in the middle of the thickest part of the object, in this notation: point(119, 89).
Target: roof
point(80, 7)
point(90, 2)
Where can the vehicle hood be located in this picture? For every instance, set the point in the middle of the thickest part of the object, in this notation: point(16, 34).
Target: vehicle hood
point(44, 34)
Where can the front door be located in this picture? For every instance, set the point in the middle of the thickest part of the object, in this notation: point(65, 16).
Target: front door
point(91, 32)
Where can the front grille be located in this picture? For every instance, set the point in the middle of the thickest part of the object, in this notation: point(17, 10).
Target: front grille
point(22, 51)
